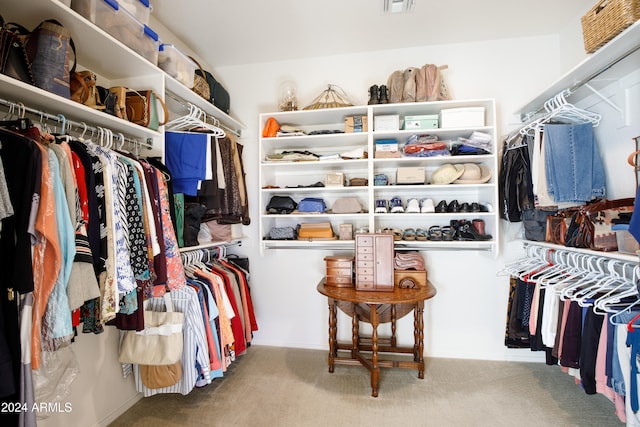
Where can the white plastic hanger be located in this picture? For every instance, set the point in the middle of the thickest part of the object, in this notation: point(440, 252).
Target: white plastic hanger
point(195, 119)
point(559, 109)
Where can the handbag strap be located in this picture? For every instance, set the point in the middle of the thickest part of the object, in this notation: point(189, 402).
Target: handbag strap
point(204, 75)
point(165, 117)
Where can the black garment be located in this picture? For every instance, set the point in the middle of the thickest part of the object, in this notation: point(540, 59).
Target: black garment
point(22, 162)
point(515, 184)
point(589, 350)
point(571, 340)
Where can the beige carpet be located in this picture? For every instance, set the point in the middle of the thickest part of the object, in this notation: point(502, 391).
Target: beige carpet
point(292, 387)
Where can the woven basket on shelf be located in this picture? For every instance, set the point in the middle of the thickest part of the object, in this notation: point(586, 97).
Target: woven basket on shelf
point(607, 19)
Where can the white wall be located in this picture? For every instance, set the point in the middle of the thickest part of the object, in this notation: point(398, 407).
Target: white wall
point(466, 319)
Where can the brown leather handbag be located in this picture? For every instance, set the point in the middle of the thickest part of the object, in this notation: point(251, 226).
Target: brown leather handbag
point(556, 229)
point(142, 108)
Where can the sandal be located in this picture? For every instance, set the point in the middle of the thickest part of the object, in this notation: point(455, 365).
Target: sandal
point(434, 233)
point(397, 234)
point(409, 234)
point(421, 234)
point(447, 233)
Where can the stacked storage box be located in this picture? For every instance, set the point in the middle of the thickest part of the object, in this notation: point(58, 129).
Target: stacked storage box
point(125, 20)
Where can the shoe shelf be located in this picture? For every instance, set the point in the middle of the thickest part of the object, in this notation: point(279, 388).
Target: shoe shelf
point(297, 178)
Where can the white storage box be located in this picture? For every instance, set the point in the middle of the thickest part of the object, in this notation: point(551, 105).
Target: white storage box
point(117, 21)
point(410, 175)
point(468, 117)
point(176, 64)
point(141, 9)
point(389, 122)
point(626, 242)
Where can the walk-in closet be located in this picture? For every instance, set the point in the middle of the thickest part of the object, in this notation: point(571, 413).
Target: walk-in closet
point(310, 213)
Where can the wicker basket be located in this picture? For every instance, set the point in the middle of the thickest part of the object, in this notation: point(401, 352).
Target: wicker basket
point(607, 19)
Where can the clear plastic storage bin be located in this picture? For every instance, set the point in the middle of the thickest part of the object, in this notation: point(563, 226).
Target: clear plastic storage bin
point(141, 9)
point(117, 21)
point(176, 64)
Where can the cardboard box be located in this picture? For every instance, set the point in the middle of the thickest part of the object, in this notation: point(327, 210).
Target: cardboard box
point(353, 124)
point(467, 117)
point(410, 175)
point(421, 122)
point(387, 145)
point(387, 122)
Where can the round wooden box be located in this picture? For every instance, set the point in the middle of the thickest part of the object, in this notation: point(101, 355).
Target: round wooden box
point(339, 271)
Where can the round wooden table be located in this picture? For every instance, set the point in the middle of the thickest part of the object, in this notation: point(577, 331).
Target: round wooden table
point(376, 307)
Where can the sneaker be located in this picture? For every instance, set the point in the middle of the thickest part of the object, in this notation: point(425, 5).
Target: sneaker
point(381, 206)
point(427, 206)
point(396, 205)
point(413, 206)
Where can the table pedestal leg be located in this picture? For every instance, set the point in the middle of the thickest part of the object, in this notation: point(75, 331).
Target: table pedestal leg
point(418, 328)
point(333, 347)
point(375, 369)
point(355, 332)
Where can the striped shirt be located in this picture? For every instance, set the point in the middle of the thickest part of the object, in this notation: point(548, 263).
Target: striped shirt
point(195, 354)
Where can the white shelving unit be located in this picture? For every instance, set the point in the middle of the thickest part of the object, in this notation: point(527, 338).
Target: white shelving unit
point(288, 176)
point(115, 65)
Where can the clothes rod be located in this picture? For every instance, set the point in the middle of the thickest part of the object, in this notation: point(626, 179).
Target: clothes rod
point(573, 88)
point(186, 104)
point(64, 122)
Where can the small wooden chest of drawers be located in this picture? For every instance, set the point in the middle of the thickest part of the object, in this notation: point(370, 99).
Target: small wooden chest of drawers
point(339, 271)
point(374, 262)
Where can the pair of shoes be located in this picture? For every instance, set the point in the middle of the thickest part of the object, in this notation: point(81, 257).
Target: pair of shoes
point(426, 206)
point(441, 207)
point(454, 206)
point(434, 233)
point(381, 206)
point(409, 234)
point(421, 234)
point(466, 230)
point(378, 95)
point(413, 206)
point(395, 205)
point(397, 233)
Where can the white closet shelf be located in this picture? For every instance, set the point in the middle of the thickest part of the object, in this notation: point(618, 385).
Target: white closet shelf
point(621, 46)
point(34, 97)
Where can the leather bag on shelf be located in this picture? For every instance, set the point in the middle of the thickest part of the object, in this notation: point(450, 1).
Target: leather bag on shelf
point(316, 231)
point(84, 90)
point(312, 204)
point(142, 108)
point(281, 205)
point(13, 57)
point(161, 340)
point(556, 229)
point(217, 94)
point(590, 226)
point(200, 84)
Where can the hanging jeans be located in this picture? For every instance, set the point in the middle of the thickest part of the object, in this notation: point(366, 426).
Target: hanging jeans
point(574, 168)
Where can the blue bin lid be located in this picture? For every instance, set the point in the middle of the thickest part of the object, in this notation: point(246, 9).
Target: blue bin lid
point(113, 3)
point(148, 31)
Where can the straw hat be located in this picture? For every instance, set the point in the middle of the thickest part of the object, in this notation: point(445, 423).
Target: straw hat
point(474, 174)
point(446, 174)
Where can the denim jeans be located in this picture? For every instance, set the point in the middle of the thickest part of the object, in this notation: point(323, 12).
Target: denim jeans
point(49, 49)
point(574, 168)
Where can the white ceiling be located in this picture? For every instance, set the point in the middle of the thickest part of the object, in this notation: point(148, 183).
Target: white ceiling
point(236, 32)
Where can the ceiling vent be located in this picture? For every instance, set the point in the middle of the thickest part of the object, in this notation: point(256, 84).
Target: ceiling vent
point(398, 6)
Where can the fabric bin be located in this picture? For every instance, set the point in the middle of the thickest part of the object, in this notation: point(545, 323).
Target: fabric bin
point(176, 64)
point(122, 25)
